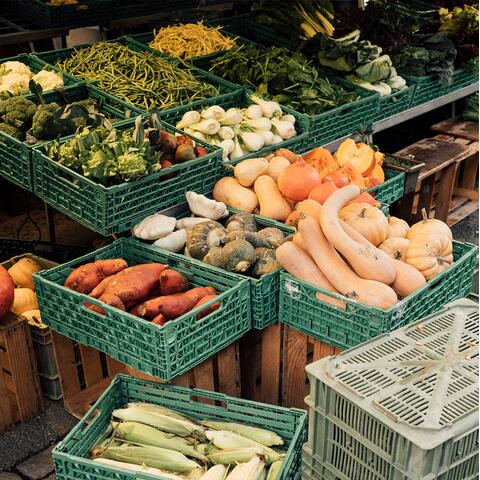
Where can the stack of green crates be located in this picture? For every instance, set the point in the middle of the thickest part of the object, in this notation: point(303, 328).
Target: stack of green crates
point(403, 406)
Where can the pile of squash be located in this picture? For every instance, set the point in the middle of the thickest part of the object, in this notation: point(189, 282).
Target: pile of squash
point(19, 281)
point(356, 251)
point(273, 186)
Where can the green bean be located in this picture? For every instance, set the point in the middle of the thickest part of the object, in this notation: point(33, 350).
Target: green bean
point(142, 78)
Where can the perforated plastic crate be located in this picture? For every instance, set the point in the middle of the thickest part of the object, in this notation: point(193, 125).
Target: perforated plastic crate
point(16, 156)
point(403, 406)
point(109, 210)
point(357, 323)
point(70, 456)
point(162, 351)
point(241, 100)
point(462, 78)
point(427, 88)
point(395, 103)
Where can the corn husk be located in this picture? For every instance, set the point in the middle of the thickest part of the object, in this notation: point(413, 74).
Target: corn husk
point(218, 472)
point(149, 456)
point(274, 470)
point(260, 435)
point(224, 439)
point(139, 433)
point(234, 455)
point(138, 468)
point(251, 470)
point(206, 448)
point(159, 419)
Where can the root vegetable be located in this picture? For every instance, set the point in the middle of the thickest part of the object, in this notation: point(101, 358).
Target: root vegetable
point(208, 310)
point(85, 278)
point(172, 281)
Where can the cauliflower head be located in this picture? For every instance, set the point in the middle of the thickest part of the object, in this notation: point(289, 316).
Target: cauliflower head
point(15, 67)
point(14, 83)
point(48, 80)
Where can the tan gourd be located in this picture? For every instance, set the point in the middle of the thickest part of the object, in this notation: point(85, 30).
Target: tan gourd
point(24, 300)
point(429, 226)
point(22, 272)
point(272, 203)
point(248, 171)
point(367, 261)
point(276, 166)
point(397, 228)
point(395, 247)
point(367, 220)
point(299, 264)
point(430, 254)
point(408, 279)
point(232, 194)
point(338, 273)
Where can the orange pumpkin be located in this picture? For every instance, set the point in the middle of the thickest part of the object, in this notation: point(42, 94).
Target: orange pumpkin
point(320, 158)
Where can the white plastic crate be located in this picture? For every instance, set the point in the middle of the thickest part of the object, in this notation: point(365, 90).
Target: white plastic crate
point(401, 406)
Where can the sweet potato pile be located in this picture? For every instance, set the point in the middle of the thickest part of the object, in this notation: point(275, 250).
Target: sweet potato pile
point(152, 291)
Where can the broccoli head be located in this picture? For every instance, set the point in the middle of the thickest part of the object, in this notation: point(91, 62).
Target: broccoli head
point(44, 125)
point(131, 165)
point(19, 112)
point(12, 131)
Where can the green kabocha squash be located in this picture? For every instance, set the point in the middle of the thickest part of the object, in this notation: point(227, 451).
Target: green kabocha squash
point(241, 221)
point(252, 238)
point(238, 256)
point(214, 257)
point(204, 236)
point(272, 235)
point(266, 262)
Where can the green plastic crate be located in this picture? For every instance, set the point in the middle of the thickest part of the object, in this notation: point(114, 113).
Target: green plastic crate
point(16, 156)
point(44, 351)
point(358, 323)
point(162, 351)
point(241, 100)
point(427, 88)
point(462, 78)
point(108, 210)
point(51, 386)
point(70, 456)
point(226, 89)
point(402, 406)
point(264, 291)
point(395, 103)
point(85, 13)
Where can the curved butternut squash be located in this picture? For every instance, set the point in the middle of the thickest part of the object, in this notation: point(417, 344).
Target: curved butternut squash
point(408, 279)
point(299, 264)
point(366, 260)
point(272, 203)
point(248, 171)
point(338, 273)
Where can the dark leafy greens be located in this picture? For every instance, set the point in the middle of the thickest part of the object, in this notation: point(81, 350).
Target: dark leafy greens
point(283, 76)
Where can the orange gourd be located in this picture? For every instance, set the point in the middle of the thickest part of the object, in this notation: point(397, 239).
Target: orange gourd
point(297, 180)
point(429, 226)
point(397, 228)
point(321, 192)
point(395, 247)
point(369, 221)
point(320, 158)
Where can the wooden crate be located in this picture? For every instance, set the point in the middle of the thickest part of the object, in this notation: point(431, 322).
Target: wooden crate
point(20, 395)
point(446, 185)
point(273, 364)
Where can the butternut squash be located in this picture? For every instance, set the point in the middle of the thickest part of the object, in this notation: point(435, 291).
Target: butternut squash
point(24, 300)
point(232, 194)
point(299, 264)
point(338, 273)
point(366, 260)
point(408, 279)
point(22, 272)
point(272, 203)
point(276, 166)
point(248, 171)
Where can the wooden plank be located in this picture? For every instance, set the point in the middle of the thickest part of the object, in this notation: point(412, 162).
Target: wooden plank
point(466, 193)
point(229, 371)
point(204, 378)
point(67, 364)
point(462, 212)
point(458, 128)
point(23, 369)
point(92, 368)
point(271, 362)
point(322, 350)
point(6, 413)
point(445, 191)
point(78, 404)
point(425, 198)
point(248, 361)
point(114, 366)
point(182, 380)
point(294, 384)
point(4, 360)
point(468, 178)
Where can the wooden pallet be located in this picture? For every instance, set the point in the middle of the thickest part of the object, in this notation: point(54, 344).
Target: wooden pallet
point(275, 360)
point(20, 395)
point(446, 185)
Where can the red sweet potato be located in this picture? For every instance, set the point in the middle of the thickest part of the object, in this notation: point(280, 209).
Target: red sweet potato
point(159, 320)
point(172, 281)
point(7, 288)
point(200, 292)
point(86, 277)
point(208, 310)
